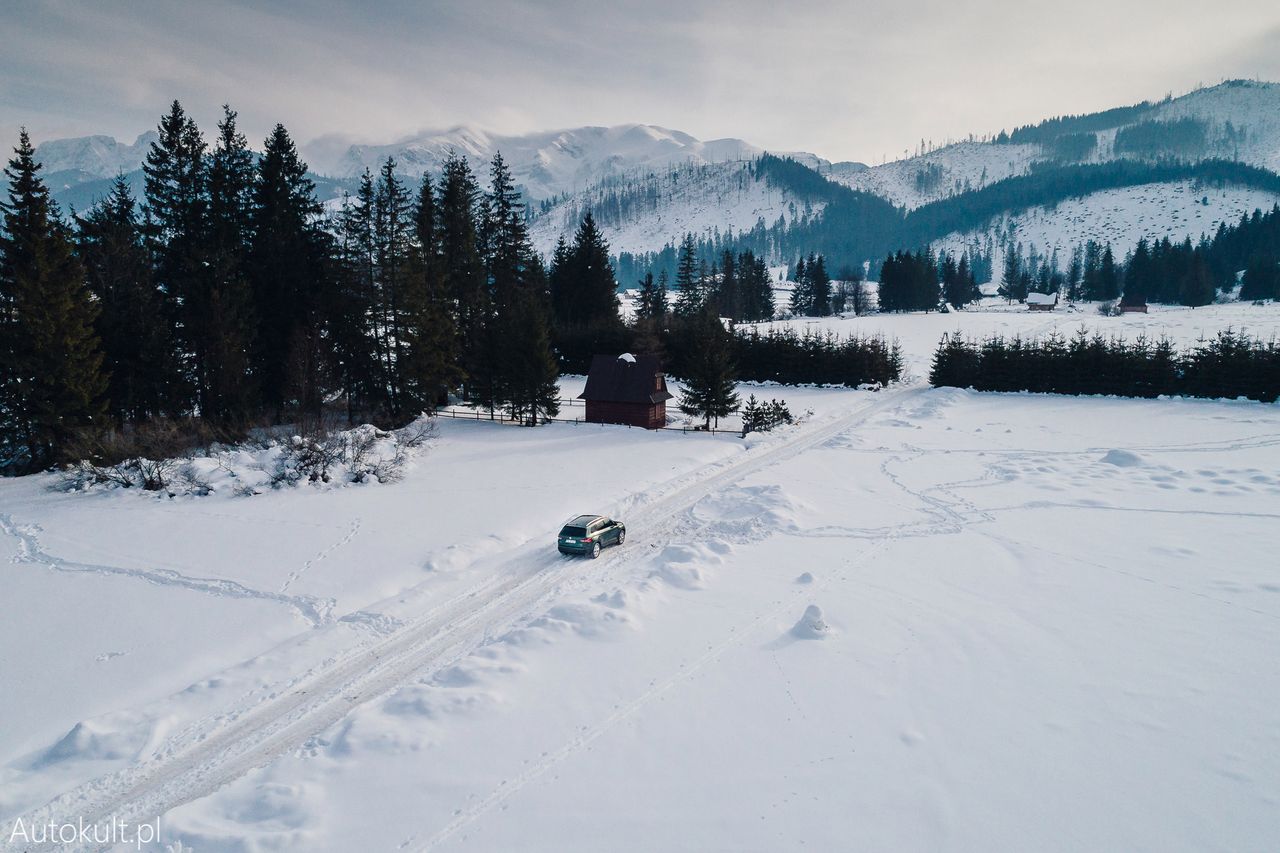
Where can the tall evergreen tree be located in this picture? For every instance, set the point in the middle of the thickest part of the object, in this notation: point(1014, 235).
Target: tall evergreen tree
point(529, 373)
point(1012, 284)
point(137, 339)
point(1261, 279)
point(688, 284)
point(709, 386)
point(1137, 275)
point(523, 365)
point(802, 293)
point(1090, 282)
point(462, 273)
point(819, 287)
point(586, 292)
point(1196, 287)
point(393, 226)
point(287, 271)
point(1108, 286)
point(349, 306)
point(430, 360)
point(51, 380)
point(651, 304)
point(222, 322)
point(175, 175)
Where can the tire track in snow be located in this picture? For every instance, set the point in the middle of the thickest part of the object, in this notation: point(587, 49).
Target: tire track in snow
point(736, 636)
point(521, 582)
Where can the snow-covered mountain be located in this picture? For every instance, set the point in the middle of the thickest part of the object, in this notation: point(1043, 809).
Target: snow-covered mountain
point(94, 156)
point(1240, 120)
point(649, 185)
point(644, 211)
point(551, 163)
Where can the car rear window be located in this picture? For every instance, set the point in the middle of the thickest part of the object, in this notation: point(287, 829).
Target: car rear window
point(573, 531)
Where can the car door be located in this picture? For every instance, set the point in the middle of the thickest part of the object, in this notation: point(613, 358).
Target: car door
point(610, 529)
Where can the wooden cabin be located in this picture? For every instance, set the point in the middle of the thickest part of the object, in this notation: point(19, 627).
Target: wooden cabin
point(626, 389)
point(1041, 301)
point(1133, 309)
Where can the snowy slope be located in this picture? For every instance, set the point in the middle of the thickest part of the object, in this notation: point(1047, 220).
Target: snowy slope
point(667, 204)
point(1121, 217)
point(961, 167)
point(1248, 105)
point(553, 162)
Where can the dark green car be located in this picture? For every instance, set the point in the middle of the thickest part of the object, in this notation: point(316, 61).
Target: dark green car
point(590, 534)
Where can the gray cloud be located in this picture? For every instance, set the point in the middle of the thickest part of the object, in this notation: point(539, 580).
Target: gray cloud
point(847, 80)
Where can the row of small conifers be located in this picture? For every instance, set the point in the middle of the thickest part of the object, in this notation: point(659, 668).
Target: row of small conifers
point(1230, 365)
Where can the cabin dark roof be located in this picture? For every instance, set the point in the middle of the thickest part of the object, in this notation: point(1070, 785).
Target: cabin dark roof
point(614, 379)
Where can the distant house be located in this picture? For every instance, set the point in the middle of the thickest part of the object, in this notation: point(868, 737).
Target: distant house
point(626, 389)
point(1133, 309)
point(1041, 301)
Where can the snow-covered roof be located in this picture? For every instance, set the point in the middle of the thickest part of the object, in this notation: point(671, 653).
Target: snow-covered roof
point(1042, 299)
point(626, 356)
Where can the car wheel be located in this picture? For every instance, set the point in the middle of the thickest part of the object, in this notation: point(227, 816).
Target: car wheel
point(595, 550)
point(622, 534)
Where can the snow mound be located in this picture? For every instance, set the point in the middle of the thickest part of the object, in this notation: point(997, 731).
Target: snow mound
point(92, 741)
point(811, 625)
point(1123, 459)
point(807, 577)
point(681, 566)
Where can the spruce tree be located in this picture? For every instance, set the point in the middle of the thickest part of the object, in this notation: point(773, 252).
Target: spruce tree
point(661, 296)
point(287, 272)
point(530, 374)
point(175, 175)
point(1261, 279)
point(137, 340)
point(802, 293)
point(349, 306)
point(588, 294)
point(646, 304)
point(688, 285)
point(224, 329)
point(709, 381)
point(819, 287)
point(462, 273)
point(523, 365)
point(1137, 274)
point(1108, 285)
point(1011, 283)
point(51, 380)
point(430, 357)
point(1196, 287)
point(393, 226)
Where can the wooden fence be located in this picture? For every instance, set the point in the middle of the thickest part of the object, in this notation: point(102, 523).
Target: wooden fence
point(469, 414)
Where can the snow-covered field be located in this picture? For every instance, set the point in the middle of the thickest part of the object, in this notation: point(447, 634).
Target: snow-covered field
point(919, 333)
point(1041, 623)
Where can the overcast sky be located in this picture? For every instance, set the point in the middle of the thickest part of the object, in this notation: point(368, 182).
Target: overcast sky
point(852, 80)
